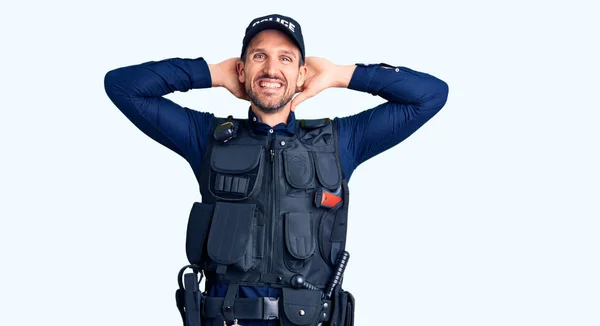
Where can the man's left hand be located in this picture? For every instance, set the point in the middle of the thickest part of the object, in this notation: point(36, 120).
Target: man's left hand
point(320, 75)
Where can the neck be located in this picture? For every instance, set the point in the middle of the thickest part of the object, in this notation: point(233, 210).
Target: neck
point(274, 118)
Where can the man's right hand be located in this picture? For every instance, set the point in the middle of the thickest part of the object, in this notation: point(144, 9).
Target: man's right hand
point(225, 74)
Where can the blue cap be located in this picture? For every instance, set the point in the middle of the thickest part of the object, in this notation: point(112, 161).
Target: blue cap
point(281, 23)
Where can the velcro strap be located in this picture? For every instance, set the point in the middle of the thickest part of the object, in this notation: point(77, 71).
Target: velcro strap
point(229, 300)
point(264, 308)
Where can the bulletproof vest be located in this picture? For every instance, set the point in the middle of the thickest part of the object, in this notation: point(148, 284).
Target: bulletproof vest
point(270, 207)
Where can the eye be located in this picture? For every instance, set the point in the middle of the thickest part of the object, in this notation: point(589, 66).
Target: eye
point(259, 56)
point(286, 59)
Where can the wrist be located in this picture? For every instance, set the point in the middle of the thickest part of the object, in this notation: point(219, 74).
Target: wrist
point(215, 75)
point(344, 75)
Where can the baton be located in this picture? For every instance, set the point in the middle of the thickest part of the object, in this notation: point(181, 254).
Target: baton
point(336, 278)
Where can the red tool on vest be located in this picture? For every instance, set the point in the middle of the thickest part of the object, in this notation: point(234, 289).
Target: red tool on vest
point(326, 198)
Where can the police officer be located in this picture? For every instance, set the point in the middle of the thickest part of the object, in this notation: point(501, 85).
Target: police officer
point(271, 226)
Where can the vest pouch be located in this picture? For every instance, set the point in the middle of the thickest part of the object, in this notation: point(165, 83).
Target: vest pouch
point(232, 236)
point(236, 171)
point(329, 249)
point(299, 172)
point(333, 229)
point(328, 170)
point(301, 307)
point(300, 240)
point(343, 308)
point(197, 231)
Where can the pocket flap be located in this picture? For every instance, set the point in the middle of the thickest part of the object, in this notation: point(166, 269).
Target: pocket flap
point(197, 230)
point(301, 306)
point(299, 235)
point(235, 158)
point(299, 170)
point(230, 231)
point(327, 170)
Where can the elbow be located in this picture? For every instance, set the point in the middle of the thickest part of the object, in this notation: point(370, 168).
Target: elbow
point(441, 94)
point(116, 85)
point(110, 82)
point(438, 96)
point(117, 89)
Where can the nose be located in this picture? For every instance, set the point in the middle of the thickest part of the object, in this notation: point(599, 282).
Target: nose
point(270, 66)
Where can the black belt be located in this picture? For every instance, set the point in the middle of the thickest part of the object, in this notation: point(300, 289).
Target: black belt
point(264, 308)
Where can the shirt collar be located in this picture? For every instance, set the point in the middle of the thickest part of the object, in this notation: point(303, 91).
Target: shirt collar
point(280, 129)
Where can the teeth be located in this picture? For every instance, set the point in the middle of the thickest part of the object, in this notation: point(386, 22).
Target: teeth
point(270, 85)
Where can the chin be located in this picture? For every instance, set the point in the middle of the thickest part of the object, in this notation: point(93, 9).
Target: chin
point(268, 104)
point(269, 109)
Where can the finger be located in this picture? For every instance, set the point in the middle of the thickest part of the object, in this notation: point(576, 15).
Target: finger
point(302, 96)
point(305, 85)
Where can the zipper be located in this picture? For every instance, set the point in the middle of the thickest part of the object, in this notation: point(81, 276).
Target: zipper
point(274, 215)
point(271, 181)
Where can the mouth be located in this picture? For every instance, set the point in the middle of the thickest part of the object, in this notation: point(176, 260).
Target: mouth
point(270, 84)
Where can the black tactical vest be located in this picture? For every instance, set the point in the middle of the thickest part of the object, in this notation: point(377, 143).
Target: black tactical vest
point(265, 225)
point(268, 215)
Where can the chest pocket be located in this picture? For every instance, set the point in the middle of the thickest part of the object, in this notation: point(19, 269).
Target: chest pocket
point(306, 170)
point(236, 171)
point(328, 170)
point(299, 171)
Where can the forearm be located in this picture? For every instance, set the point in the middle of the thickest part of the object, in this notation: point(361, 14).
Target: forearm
point(400, 85)
point(159, 78)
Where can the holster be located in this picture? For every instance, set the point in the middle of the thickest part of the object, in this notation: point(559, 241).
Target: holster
point(189, 298)
point(343, 308)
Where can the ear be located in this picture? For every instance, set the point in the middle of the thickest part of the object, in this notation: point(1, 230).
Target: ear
point(240, 70)
point(301, 76)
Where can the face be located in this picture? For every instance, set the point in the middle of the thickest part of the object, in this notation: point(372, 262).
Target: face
point(271, 72)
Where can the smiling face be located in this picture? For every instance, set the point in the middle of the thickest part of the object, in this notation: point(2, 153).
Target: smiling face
point(271, 71)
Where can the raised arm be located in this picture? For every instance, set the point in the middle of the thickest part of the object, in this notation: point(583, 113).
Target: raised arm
point(138, 92)
point(412, 99)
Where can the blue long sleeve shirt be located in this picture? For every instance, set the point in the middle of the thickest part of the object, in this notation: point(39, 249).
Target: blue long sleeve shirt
point(412, 98)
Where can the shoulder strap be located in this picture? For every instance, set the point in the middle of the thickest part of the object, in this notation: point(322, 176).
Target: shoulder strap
point(314, 123)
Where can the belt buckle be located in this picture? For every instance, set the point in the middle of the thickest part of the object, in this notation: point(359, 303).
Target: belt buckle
point(270, 308)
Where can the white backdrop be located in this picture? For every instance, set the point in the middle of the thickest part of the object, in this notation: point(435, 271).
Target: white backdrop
point(488, 215)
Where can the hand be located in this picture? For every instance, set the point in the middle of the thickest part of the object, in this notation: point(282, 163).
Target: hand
point(320, 75)
point(225, 74)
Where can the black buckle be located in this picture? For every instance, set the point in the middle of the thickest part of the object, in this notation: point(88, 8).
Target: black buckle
point(270, 308)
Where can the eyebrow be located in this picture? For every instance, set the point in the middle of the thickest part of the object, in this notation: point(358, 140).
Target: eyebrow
point(289, 52)
point(282, 51)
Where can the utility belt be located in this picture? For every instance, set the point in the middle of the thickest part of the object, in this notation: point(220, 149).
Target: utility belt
point(303, 305)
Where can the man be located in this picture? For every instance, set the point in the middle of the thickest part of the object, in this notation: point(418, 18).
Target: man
point(270, 232)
